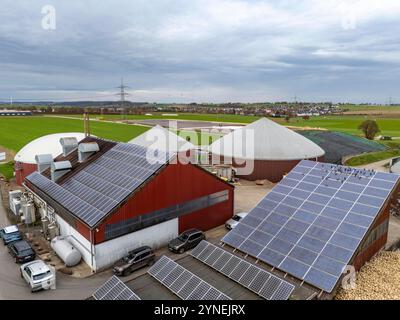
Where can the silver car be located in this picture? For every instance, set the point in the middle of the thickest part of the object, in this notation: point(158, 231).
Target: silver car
point(234, 221)
point(38, 275)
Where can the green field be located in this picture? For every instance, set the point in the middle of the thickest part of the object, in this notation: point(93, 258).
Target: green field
point(347, 124)
point(181, 116)
point(373, 157)
point(7, 170)
point(15, 132)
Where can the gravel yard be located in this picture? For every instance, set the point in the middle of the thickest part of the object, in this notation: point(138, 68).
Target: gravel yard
point(377, 280)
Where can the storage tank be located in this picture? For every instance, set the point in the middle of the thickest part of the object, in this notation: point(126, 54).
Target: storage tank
point(15, 201)
point(28, 211)
point(45, 225)
point(66, 251)
point(53, 231)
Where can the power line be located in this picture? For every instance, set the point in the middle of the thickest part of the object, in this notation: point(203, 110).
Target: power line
point(122, 94)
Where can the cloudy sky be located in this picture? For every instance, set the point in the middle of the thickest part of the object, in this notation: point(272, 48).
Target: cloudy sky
point(201, 50)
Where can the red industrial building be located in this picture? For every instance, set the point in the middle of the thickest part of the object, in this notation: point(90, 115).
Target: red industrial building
point(109, 199)
point(264, 150)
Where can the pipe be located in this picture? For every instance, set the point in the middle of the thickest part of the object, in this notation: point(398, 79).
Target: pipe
point(91, 249)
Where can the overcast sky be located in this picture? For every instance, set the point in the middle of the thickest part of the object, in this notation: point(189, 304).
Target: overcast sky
point(202, 50)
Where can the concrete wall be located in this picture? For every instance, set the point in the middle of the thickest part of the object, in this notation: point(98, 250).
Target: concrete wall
point(156, 236)
point(107, 253)
point(80, 242)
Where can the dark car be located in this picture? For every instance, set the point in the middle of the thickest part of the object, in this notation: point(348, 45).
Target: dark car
point(21, 251)
point(136, 259)
point(10, 234)
point(186, 241)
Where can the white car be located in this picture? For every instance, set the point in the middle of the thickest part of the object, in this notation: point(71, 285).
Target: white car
point(38, 275)
point(234, 221)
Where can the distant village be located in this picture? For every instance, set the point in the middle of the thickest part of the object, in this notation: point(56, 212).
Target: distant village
point(283, 109)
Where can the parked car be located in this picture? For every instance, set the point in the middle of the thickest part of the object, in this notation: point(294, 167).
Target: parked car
point(38, 275)
point(186, 241)
point(21, 251)
point(234, 221)
point(10, 234)
point(136, 259)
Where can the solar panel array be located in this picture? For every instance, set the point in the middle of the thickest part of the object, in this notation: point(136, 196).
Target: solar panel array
point(311, 224)
point(251, 277)
point(114, 289)
point(182, 282)
point(101, 186)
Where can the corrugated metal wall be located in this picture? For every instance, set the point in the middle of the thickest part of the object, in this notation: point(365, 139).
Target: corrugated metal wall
point(264, 169)
point(177, 183)
point(370, 251)
point(23, 170)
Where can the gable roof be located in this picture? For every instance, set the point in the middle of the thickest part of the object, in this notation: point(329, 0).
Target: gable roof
point(161, 138)
point(271, 142)
point(94, 188)
point(312, 224)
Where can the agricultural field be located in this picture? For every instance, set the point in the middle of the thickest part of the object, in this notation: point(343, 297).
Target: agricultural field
point(15, 132)
point(181, 116)
point(346, 124)
point(356, 107)
point(7, 170)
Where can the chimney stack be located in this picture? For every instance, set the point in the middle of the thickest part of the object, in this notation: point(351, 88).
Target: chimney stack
point(59, 169)
point(68, 144)
point(43, 162)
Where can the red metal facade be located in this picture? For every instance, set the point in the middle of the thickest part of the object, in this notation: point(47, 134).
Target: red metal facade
point(177, 183)
point(22, 170)
point(367, 253)
point(270, 170)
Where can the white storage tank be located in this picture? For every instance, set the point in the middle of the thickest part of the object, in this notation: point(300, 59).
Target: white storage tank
point(66, 251)
point(28, 211)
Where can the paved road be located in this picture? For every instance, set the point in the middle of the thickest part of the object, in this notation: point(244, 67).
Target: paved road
point(12, 286)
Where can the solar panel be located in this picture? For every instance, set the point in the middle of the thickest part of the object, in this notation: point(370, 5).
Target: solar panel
point(311, 224)
point(239, 270)
point(114, 289)
point(99, 187)
point(182, 282)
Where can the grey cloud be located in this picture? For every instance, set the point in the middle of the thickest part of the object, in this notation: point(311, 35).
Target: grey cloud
point(200, 50)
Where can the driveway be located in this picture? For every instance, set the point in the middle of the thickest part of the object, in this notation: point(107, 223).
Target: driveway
point(12, 286)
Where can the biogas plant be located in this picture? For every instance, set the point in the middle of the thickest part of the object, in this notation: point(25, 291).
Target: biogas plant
point(190, 229)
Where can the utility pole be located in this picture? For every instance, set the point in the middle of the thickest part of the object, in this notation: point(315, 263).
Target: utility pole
point(122, 95)
point(86, 124)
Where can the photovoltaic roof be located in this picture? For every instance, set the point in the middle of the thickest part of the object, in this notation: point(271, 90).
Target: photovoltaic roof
point(311, 224)
point(99, 187)
point(114, 289)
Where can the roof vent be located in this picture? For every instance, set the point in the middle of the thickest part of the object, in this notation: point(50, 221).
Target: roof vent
point(59, 169)
point(43, 162)
point(68, 144)
point(85, 150)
